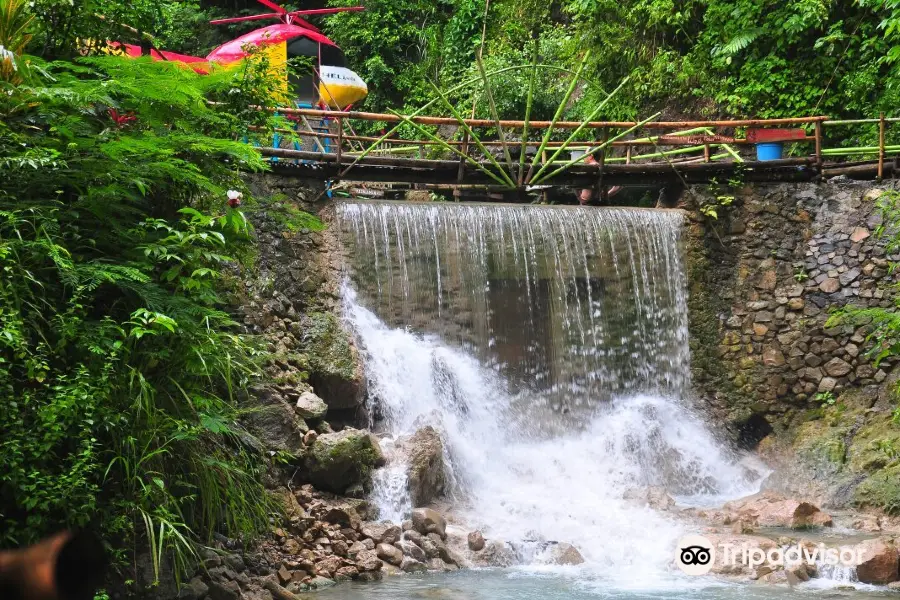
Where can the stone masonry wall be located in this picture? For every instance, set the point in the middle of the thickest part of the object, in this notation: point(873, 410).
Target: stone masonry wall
point(763, 278)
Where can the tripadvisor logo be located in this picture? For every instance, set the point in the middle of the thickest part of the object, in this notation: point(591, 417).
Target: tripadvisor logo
point(697, 555)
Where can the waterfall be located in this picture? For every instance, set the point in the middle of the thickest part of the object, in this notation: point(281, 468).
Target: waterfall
point(549, 346)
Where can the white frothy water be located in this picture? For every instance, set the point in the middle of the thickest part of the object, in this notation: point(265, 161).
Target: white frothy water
point(549, 347)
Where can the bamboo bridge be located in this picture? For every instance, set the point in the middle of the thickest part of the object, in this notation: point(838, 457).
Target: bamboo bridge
point(453, 152)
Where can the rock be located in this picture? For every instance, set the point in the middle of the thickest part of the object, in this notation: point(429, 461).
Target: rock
point(830, 285)
point(311, 407)
point(195, 589)
point(769, 509)
point(837, 367)
point(382, 533)
point(340, 548)
point(235, 562)
point(411, 565)
point(389, 553)
point(443, 551)
point(859, 234)
point(879, 562)
point(496, 554)
point(337, 461)
point(426, 474)
point(773, 357)
point(476, 541)
point(342, 514)
point(228, 590)
point(427, 520)
point(368, 560)
point(414, 536)
point(284, 575)
point(336, 371)
point(431, 550)
point(564, 554)
point(652, 496)
point(371, 576)
point(275, 423)
point(310, 437)
point(318, 583)
point(413, 550)
point(328, 566)
point(292, 547)
point(346, 574)
point(356, 548)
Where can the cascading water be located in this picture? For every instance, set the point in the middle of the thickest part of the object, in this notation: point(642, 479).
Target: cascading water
point(549, 347)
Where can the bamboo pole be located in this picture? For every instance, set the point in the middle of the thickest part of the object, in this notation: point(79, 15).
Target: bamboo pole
point(340, 141)
point(556, 117)
point(881, 127)
point(513, 124)
point(592, 150)
point(494, 113)
point(528, 107)
point(819, 144)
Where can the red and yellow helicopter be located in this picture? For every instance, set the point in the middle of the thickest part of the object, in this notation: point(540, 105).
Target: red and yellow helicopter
point(330, 85)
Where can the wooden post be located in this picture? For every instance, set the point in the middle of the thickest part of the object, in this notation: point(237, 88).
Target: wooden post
point(601, 189)
point(819, 143)
point(340, 140)
point(705, 152)
point(628, 155)
point(462, 161)
point(881, 127)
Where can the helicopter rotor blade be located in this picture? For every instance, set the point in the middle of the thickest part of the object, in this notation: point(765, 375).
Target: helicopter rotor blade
point(241, 19)
point(325, 11)
point(273, 6)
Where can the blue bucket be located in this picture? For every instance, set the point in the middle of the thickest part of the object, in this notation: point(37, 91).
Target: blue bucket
point(769, 151)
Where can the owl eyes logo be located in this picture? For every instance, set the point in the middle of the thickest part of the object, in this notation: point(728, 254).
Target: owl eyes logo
point(695, 555)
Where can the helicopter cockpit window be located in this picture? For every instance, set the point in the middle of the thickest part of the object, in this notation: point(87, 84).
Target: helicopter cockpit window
point(332, 56)
point(304, 87)
point(303, 47)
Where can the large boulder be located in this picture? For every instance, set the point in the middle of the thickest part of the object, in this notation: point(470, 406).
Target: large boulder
point(426, 474)
point(879, 564)
point(274, 422)
point(381, 533)
point(389, 553)
point(564, 554)
point(426, 520)
point(335, 368)
point(495, 554)
point(769, 509)
point(311, 407)
point(337, 461)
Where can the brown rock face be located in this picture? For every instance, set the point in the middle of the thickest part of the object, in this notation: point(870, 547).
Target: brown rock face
point(389, 553)
point(476, 541)
point(879, 562)
point(426, 474)
point(382, 533)
point(426, 520)
point(768, 509)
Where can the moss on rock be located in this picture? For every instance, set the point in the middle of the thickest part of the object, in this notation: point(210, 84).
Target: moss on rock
point(337, 461)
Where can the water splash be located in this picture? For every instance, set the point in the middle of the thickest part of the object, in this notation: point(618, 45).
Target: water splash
point(549, 346)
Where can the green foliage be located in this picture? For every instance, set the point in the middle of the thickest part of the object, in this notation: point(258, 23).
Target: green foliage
point(826, 398)
point(122, 375)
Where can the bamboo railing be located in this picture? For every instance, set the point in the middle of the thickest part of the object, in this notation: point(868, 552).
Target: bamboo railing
point(616, 145)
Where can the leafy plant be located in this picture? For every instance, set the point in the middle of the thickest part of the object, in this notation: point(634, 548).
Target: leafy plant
point(826, 398)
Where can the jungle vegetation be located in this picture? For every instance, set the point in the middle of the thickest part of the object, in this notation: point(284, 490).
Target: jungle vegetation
point(122, 371)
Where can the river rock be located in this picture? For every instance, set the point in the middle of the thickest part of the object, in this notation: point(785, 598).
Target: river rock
point(426, 474)
point(564, 554)
point(381, 533)
point(311, 407)
point(476, 541)
point(346, 574)
point(444, 552)
point(368, 560)
point(769, 509)
point(411, 565)
point(275, 423)
point(328, 566)
point(226, 590)
point(337, 461)
point(389, 553)
point(879, 562)
point(413, 550)
point(496, 554)
point(427, 520)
